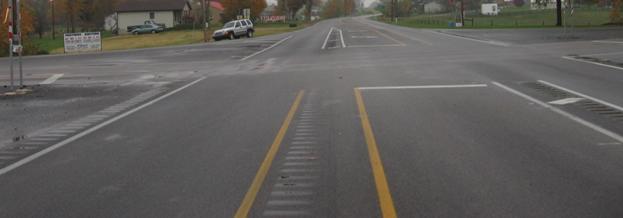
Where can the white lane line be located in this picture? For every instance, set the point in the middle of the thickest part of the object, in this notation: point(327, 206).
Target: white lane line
point(266, 49)
point(503, 44)
point(51, 79)
point(92, 129)
point(424, 87)
point(342, 38)
point(326, 40)
point(590, 125)
point(608, 41)
point(583, 95)
point(609, 143)
point(591, 62)
point(566, 101)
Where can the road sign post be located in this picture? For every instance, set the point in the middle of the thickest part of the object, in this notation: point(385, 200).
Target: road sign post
point(10, 36)
point(13, 19)
point(20, 48)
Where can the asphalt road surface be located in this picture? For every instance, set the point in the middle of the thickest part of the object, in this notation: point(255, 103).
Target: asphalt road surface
point(346, 118)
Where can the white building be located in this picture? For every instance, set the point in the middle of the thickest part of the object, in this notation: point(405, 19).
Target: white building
point(433, 7)
point(543, 4)
point(168, 12)
point(490, 9)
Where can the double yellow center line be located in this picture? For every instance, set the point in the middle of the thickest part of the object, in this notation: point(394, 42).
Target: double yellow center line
point(382, 188)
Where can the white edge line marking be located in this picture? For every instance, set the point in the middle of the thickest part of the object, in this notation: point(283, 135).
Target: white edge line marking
point(423, 87)
point(51, 79)
point(563, 113)
point(342, 38)
point(266, 49)
point(90, 130)
point(324, 45)
point(608, 41)
point(582, 95)
point(590, 62)
point(503, 44)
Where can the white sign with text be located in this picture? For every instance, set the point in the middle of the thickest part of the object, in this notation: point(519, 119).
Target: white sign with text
point(83, 42)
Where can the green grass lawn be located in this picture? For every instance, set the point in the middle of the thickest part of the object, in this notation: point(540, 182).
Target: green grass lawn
point(177, 37)
point(511, 17)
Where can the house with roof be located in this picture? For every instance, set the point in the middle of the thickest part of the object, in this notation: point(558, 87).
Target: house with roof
point(216, 10)
point(168, 12)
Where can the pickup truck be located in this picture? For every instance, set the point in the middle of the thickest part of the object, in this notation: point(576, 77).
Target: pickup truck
point(147, 22)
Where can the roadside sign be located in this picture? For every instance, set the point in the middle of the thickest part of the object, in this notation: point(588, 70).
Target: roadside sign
point(83, 42)
point(246, 13)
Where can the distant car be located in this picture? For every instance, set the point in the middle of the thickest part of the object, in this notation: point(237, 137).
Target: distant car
point(234, 30)
point(147, 22)
point(147, 29)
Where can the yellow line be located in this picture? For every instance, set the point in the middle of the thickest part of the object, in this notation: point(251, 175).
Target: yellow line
point(382, 188)
point(247, 202)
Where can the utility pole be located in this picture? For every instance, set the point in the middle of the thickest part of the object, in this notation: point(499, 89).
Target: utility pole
point(462, 13)
point(18, 27)
point(392, 11)
point(203, 15)
point(558, 12)
point(10, 34)
point(53, 20)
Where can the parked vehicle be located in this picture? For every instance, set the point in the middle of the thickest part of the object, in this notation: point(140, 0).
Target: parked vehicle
point(147, 22)
point(147, 29)
point(234, 30)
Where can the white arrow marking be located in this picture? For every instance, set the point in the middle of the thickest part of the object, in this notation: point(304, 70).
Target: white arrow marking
point(565, 101)
point(52, 79)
